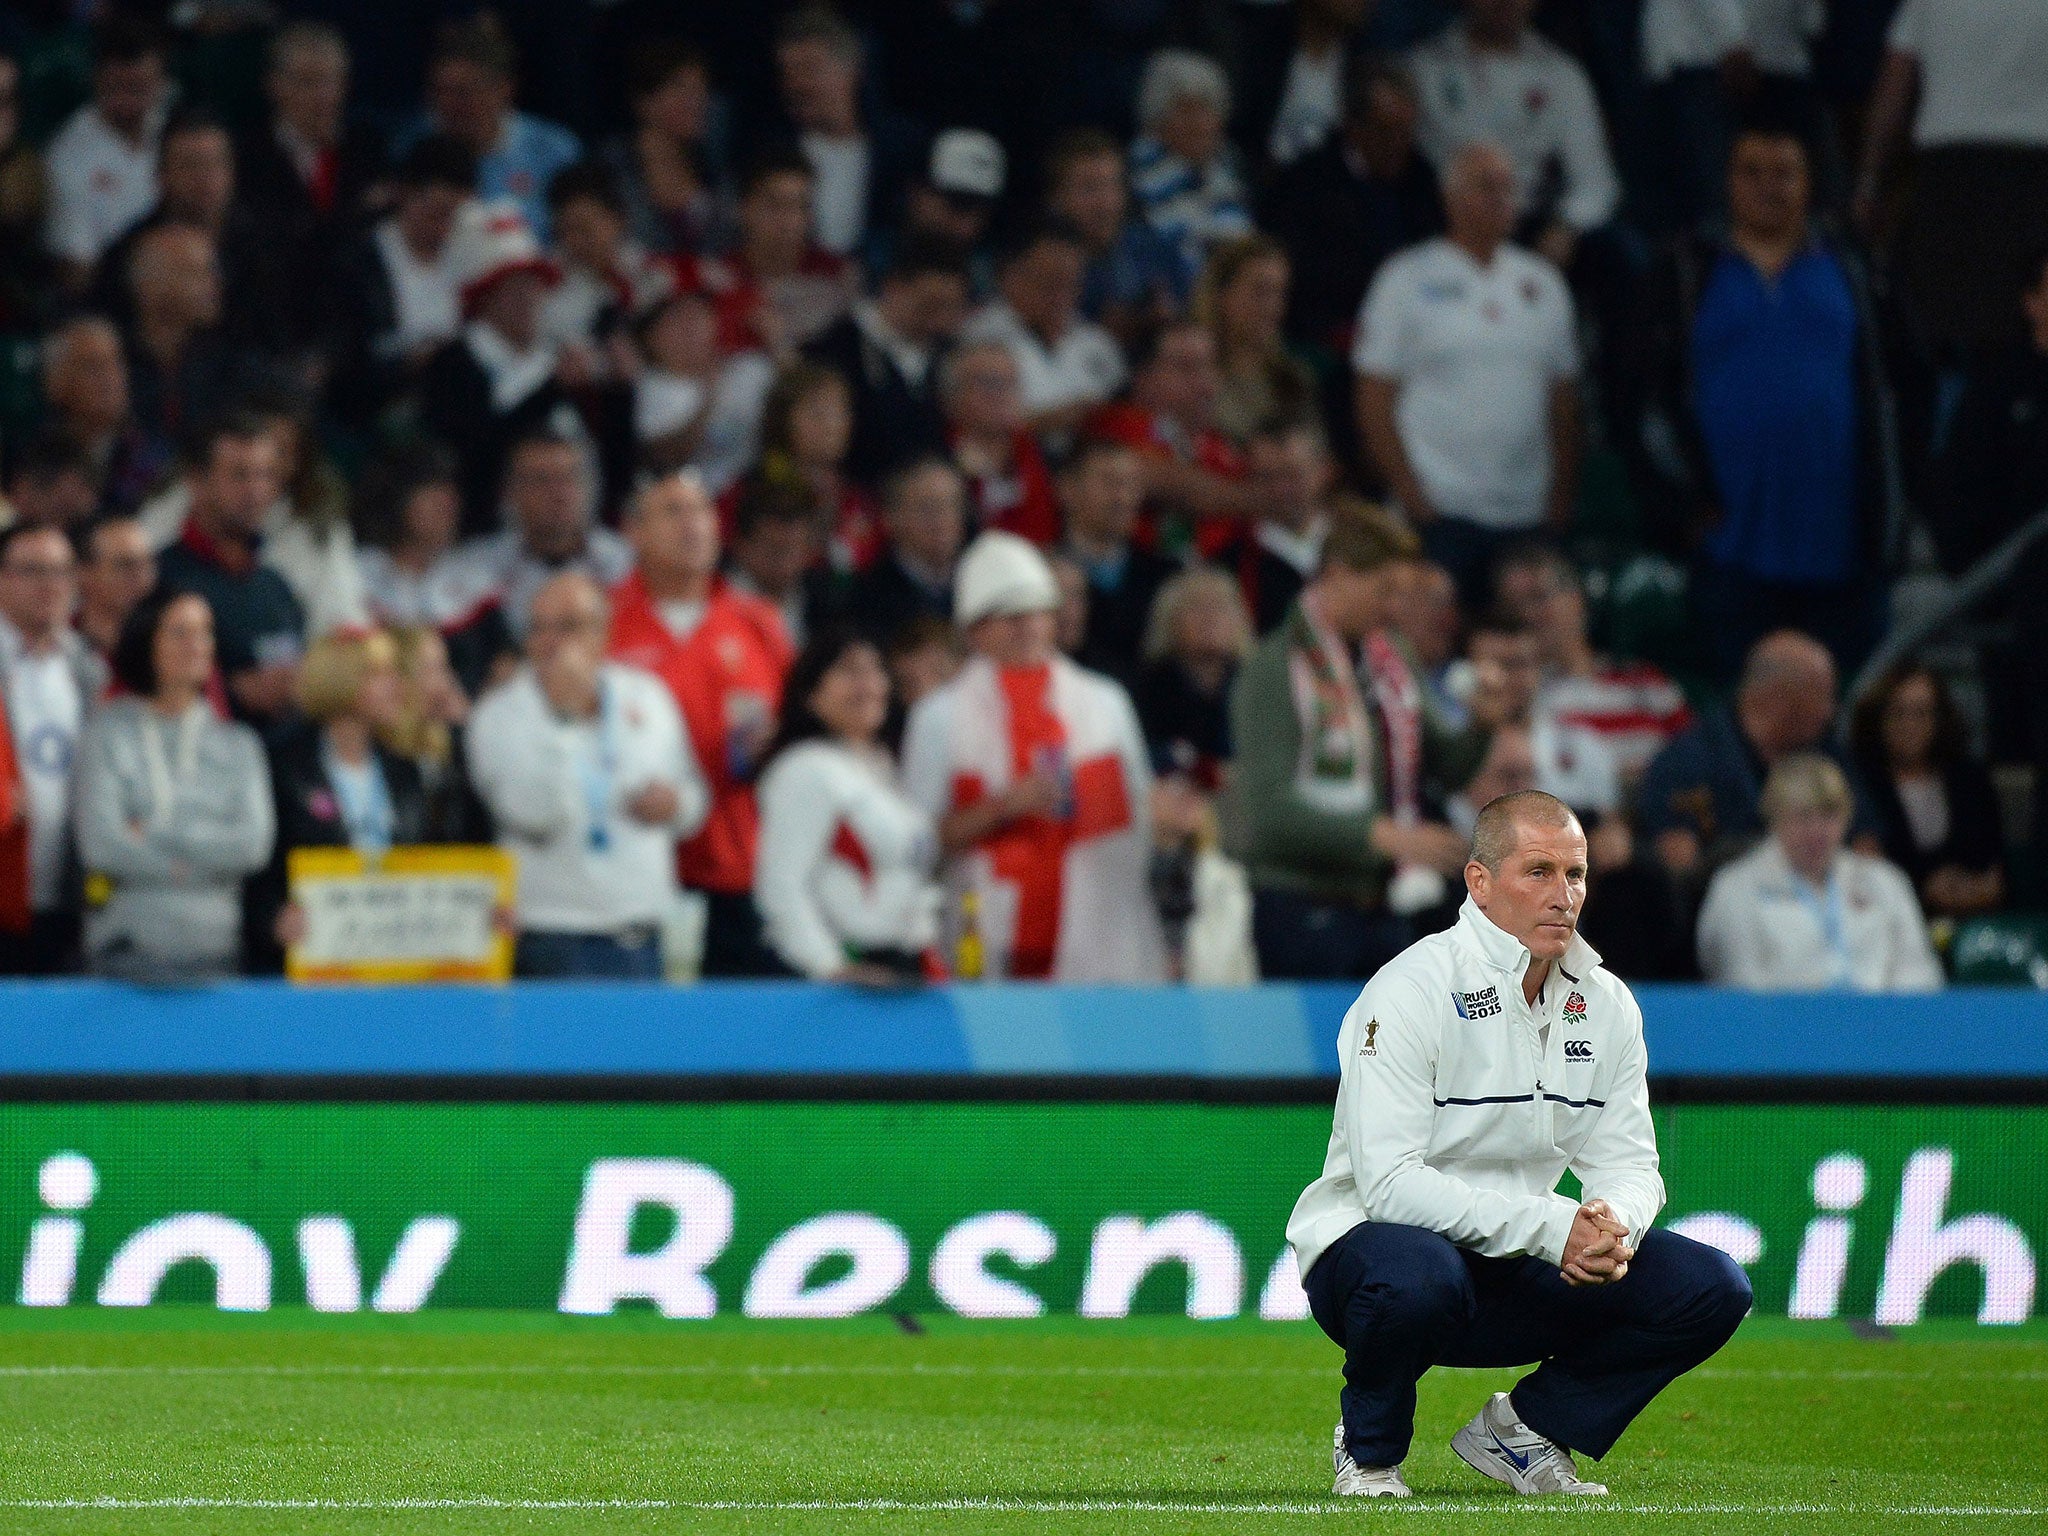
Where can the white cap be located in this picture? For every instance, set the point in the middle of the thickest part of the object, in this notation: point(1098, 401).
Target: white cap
point(967, 163)
point(492, 240)
point(1000, 575)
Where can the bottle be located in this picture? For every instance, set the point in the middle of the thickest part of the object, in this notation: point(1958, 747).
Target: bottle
point(969, 958)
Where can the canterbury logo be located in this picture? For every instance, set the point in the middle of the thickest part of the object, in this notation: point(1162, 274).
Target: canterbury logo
point(1578, 1050)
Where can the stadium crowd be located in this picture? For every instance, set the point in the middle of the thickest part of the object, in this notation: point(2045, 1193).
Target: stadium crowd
point(1101, 490)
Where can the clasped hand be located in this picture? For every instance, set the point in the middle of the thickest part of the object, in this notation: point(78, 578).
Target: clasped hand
point(1597, 1251)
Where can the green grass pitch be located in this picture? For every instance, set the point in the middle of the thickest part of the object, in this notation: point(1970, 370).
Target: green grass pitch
point(182, 1420)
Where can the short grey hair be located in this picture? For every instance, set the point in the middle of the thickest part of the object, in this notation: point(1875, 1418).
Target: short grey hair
point(1497, 833)
point(1172, 73)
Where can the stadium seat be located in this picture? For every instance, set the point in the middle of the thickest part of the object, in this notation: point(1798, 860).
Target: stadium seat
point(2007, 950)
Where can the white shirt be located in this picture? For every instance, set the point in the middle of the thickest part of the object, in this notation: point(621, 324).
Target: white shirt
point(100, 184)
point(423, 294)
point(1698, 34)
point(1535, 103)
point(1766, 930)
point(1983, 69)
point(1084, 367)
point(1460, 1104)
point(513, 374)
point(44, 714)
point(730, 438)
point(1475, 350)
point(839, 205)
point(1311, 105)
point(558, 790)
point(500, 563)
point(1303, 550)
point(845, 860)
point(448, 595)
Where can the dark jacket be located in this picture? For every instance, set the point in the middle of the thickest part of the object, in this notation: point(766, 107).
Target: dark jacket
point(1270, 585)
point(893, 419)
point(885, 597)
point(1975, 841)
point(1989, 472)
point(455, 407)
point(1338, 227)
point(268, 184)
point(1114, 640)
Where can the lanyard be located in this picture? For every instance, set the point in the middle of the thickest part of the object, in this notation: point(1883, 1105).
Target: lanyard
point(1826, 909)
point(365, 801)
point(598, 771)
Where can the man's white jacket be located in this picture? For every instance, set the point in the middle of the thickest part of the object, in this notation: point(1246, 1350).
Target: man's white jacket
point(1456, 1114)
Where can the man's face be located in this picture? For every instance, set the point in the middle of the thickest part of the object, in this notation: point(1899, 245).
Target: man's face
point(38, 583)
point(1291, 474)
point(470, 101)
point(64, 499)
point(956, 221)
point(776, 552)
point(1091, 196)
point(1043, 285)
point(1539, 893)
point(817, 82)
point(1358, 602)
point(928, 517)
point(127, 91)
point(512, 307)
point(676, 108)
point(88, 379)
point(929, 307)
point(198, 175)
point(309, 87)
point(177, 277)
point(1508, 768)
point(986, 396)
point(775, 218)
point(674, 529)
point(1014, 639)
point(1479, 197)
point(1427, 615)
point(1182, 381)
point(1104, 494)
point(1769, 194)
point(427, 214)
point(1508, 663)
point(1191, 128)
point(1542, 598)
point(549, 499)
point(589, 233)
point(566, 613)
point(119, 569)
point(239, 483)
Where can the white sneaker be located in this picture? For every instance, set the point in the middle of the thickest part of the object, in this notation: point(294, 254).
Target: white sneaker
point(1366, 1482)
point(1509, 1451)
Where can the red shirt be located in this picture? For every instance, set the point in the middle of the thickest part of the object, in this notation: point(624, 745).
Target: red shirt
point(1021, 501)
point(727, 673)
point(1157, 438)
point(736, 293)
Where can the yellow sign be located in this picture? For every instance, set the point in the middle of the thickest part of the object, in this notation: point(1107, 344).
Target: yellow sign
point(417, 914)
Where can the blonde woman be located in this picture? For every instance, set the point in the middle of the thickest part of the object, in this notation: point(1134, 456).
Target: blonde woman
point(1801, 912)
point(1242, 299)
point(428, 733)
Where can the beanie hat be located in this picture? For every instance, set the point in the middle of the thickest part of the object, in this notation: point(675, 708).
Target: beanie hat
point(1001, 575)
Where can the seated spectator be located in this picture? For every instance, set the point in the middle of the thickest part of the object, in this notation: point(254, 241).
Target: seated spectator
point(183, 366)
point(844, 883)
point(1937, 812)
point(1198, 636)
point(924, 657)
point(1243, 301)
point(722, 655)
point(806, 431)
point(49, 681)
point(102, 163)
point(1184, 173)
point(1341, 210)
point(607, 275)
point(307, 170)
point(1066, 365)
point(173, 806)
point(1036, 774)
point(887, 349)
point(591, 777)
point(1134, 277)
point(254, 621)
point(924, 524)
point(472, 77)
point(777, 548)
point(1467, 366)
point(1769, 380)
point(1431, 624)
point(1334, 746)
point(1009, 485)
point(1508, 768)
point(775, 289)
point(432, 724)
point(1572, 762)
point(51, 483)
point(952, 205)
point(1293, 86)
point(695, 405)
point(1700, 796)
point(676, 201)
point(335, 784)
point(1102, 491)
point(1290, 480)
point(85, 391)
point(116, 570)
point(1801, 913)
point(1630, 705)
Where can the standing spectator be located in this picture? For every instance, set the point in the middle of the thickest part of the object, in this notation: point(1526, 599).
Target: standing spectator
point(1801, 913)
point(174, 806)
point(1199, 635)
point(116, 570)
point(1431, 624)
point(51, 484)
point(307, 169)
point(1937, 811)
point(1009, 485)
point(1102, 491)
point(85, 388)
point(183, 366)
point(722, 655)
point(776, 289)
point(1967, 74)
point(696, 405)
point(1293, 97)
point(1769, 369)
point(844, 884)
point(590, 775)
point(1066, 365)
point(1184, 171)
point(1243, 301)
point(924, 523)
point(102, 163)
point(1467, 364)
point(806, 431)
point(432, 725)
point(472, 77)
point(776, 547)
point(676, 202)
point(49, 680)
point(1290, 481)
point(1572, 763)
point(1334, 752)
point(1035, 771)
point(1134, 276)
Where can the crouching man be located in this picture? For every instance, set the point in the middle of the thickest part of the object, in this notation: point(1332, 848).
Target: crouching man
point(1478, 1065)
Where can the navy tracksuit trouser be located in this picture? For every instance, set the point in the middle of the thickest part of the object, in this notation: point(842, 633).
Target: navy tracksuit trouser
point(1400, 1300)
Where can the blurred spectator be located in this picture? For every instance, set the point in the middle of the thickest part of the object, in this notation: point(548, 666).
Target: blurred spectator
point(951, 205)
point(776, 552)
point(1009, 485)
point(676, 200)
point(1102, 491)
point(1333, 754)
point(1967, 74)
point(51, 483)
point(1630, 705)
point(1346, 207)
point(116, 570)
point(1572, 762)
point(1198, 636)
point(1508, 768)
point(1066, 365)
point(887, 348)
point(472, 76)
point(1467, 364)
point(1290, 482)
point(49, 680)
point(591, 777)
point(844, 884)
point(1430, 624)
point(174, 808)
point(923, 658)
point(551, 505)
point(1036, 773)
point(429, 732)
point(307, 170)
point(183, 365)
point(1801, 913)
point(775, 289)
point(1070, 618)
point(102, 163)
point(1243, 301)
point(1293, 95)
point(1133, 276)
point(254, 622)
point(924, 523)
point(696, 405)
point(1700, 795)
point(85, 388)
point(1184, 172)
point(607, 275)
point(1771, 384)
point(27, 270)
point(1492, 79)
point(1937, 810)
point(806, 431)
point(722, 655)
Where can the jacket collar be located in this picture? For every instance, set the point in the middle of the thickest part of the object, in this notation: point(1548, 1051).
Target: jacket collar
point(1504, 952)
